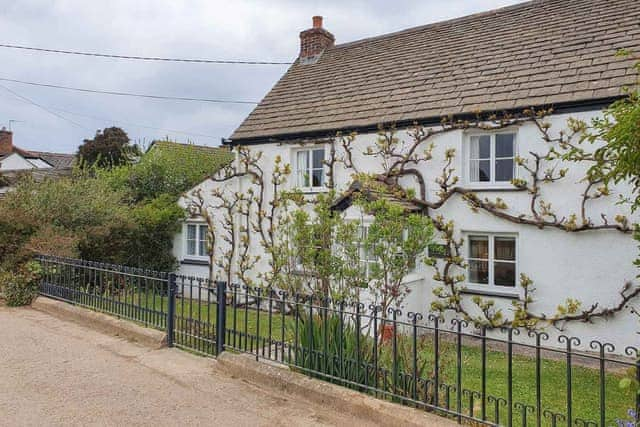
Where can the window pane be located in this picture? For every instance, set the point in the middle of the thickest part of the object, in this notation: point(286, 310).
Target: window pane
point(191, 232)
point(362, 232)
point(484, 170)
point(505, 248)
point(504, 145)
point(318, 158)
point(478, 247)
point(303, 179)
point(191, 239)
point(504, 273)
point(317, 178)
point(485, 147)
point(480, 147)
point(504, 169)
point(202, 244)
point(479, 272)
point(479, 170)
point(303, 168)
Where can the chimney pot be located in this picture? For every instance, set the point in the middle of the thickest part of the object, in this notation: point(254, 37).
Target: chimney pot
point(6, 141)
point(314, 41)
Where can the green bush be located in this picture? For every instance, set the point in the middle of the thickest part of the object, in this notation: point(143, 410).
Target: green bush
point(20, 286)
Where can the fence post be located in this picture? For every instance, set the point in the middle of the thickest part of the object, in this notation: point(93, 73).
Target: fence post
point(221, 315)
point(171, 309)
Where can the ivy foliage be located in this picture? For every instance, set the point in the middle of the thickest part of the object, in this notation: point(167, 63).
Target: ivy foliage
point(168, 168)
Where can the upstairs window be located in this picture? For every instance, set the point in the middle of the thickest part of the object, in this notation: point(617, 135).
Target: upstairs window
point(197, 240)
point(492, 260)
point(310, 169)
point(491, 158)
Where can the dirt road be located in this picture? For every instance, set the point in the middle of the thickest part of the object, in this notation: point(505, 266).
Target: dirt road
point(54, 372)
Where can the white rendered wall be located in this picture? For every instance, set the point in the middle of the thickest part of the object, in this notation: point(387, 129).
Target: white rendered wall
point(590, 266)
point(15, 162)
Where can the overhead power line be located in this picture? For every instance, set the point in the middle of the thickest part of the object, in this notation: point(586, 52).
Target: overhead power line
point(104, 119)
point(42, 107)
point(139, 95)
point(49, 109)
point(146, 58)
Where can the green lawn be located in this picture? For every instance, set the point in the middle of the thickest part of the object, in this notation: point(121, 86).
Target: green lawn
point(258, 330)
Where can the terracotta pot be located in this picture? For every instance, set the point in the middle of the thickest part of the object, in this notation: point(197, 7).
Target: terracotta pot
point(386, 332)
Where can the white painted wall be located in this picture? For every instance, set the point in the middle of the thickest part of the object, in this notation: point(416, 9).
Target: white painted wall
point(15, 162)
point(589, 266)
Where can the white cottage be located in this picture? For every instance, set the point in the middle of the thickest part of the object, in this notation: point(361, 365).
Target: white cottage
point(514, 84)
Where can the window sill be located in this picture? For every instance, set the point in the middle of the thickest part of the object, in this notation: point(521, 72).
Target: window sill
point(480, 188)
point(308, 190)
point(193, 261)
point(412, 278)
point(498, 293)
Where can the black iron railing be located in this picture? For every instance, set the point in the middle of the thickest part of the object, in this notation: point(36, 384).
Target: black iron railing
point(492, 377)
point(131, 293)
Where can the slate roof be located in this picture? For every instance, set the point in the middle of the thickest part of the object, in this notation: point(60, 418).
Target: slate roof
point(542, 52)
point(375, 190)
point(56, 160)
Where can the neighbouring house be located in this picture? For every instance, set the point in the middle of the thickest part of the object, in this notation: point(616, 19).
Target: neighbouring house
point(15, 162)
point(513, 86)
point(216, 156)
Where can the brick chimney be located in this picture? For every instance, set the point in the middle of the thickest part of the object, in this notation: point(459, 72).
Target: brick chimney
point(6, 141)
point(314, 41)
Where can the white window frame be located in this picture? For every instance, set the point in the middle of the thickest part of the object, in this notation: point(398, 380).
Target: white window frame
point(491, 288)
point(199, 225)
point(310, 169)
point(492, 183)
point(364, 258)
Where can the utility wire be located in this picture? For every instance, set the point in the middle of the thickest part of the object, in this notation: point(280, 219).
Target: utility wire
point(145, 58)
point(139, 95)
point(25, 99)
point(103, 119)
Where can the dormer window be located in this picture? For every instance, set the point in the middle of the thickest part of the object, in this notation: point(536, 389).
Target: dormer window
point(310, 174)
point(491, 159)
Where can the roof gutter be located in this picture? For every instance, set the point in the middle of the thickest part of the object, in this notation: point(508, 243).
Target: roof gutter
point(558, 108)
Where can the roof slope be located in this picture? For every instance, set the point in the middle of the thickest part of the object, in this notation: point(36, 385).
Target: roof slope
point(212, 158)
point(56, 160)
point(542, 52)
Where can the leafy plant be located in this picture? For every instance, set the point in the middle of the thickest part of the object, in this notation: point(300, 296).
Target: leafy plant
point(398, 241)
point(109, 148)
point(20, 286)
point(333, 346)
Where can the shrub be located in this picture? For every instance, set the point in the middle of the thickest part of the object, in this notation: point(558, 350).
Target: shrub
point(20, 286)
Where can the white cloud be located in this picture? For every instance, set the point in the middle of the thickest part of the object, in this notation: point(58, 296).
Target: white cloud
point(201, 29)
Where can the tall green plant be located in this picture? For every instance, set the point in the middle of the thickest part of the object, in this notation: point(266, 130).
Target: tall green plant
point(326, 250)
point(398, 241)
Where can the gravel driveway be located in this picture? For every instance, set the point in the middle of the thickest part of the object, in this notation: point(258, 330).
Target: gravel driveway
point(54, 372)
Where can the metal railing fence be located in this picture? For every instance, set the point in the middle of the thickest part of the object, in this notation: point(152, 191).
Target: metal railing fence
point(492, 377)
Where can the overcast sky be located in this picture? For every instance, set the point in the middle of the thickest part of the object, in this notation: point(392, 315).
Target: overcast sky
point(245, 30)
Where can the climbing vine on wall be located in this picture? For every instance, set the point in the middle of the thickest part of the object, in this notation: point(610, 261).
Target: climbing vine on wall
point(248, 214)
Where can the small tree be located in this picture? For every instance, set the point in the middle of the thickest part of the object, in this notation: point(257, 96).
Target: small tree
point(108, 148)
point(326, 250)
point(398, 241)
point(619, 159)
